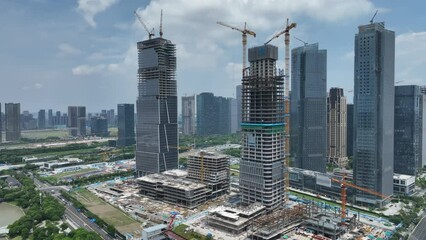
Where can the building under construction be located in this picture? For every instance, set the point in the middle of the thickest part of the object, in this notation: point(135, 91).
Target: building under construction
point(262, 156)
point(173, 190)
point(210, 169)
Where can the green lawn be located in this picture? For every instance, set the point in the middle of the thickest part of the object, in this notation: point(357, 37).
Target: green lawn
point(67, 174)
point(41, 134)
point(180, 230)
point(64, 153)
point(106, 212)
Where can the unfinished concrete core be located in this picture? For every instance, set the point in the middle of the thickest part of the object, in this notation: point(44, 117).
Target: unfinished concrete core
point(210, 169)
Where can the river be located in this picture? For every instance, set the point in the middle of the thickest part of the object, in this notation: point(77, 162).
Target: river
point(9, 213)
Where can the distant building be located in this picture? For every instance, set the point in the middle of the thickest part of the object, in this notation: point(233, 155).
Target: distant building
point(210, 169)
point(13, 121)
point(126, 124)
point(213, 114)
point(1, 125)
point(408, 130)
point(336, 126)
point(157, 128)
point(50, 118)
point(99, 126)
point(57, 119)
point(239, 102)
point(374, 97)
point(350, 130)
point(41, 119)
point(233, 109)
point(27, 121)
point(77, 121)
point(188, 115)
point(111, 118)
point(308, 108)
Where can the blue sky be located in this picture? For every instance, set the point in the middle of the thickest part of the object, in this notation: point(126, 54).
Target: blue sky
point(83, 52)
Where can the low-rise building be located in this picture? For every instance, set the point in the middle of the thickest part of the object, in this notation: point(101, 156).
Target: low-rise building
point(154, 233)
point(404, 184)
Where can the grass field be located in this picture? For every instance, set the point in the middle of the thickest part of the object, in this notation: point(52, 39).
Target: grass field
point(41, 134)
point(64, 153)
point(108, 213)
point(67, 174)
point(180, 230)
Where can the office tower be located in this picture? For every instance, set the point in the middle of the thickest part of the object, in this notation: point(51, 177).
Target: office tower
point(374, 96)
point(41, 119)
point(207, 114)
point(126, 124)
point(13, 121)
point(262, 155)
point(224, 115)
point(210, 169)
point(1, 125)
point(239, 102)
point(408, 129)
point(233, 111)
point(188, 115)
point(58, 118)
point(111, 118)
point(64, 119)
point(157, 129)
point(77, 121)
point(99, 127)
point(50, 117)
point(336, 125)
point(350, 130)
point(308, 108)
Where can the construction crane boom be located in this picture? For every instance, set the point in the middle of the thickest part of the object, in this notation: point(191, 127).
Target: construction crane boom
point(244, 32)
point(150, 33)
point(372, 19)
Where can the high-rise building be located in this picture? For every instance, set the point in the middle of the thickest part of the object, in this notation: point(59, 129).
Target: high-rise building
point(374, 96)
point(157, 128)
point(188, 115)
point(423, 101)
point(13, 121)
point(408, 129)
point(336, 125)
point(224, 115)
point(308, 108)
point(233, 111)
point(50, 118)
point(262, 125)
point(1, 125)
point(126, 124)
point(41, 119)
point(27, 121)
point(58, 118)
point(111, 118)
point(77, 121)
point(350, 130)
point(99, 127)
point(239, 104)
point(213, 114)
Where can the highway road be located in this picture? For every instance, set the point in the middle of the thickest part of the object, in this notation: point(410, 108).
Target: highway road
point(71, 213)
point(419, 232)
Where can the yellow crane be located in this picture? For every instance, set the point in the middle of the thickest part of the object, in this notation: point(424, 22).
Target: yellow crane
point(150, 33)
point(286, 33)
point(244, 32)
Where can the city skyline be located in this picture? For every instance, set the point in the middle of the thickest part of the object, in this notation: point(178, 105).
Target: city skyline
point(103, 57)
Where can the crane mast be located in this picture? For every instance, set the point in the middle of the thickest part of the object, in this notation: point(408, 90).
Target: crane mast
point(244, 32)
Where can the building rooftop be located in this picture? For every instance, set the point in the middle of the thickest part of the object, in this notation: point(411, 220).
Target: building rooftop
point(176, 173)
point(155, 228)
point(207, 154)
point(402, 176)
point(172, 181)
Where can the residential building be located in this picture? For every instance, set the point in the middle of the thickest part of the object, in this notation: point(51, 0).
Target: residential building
point(99, 127)
point(50, 118)
point(308, 108)
point(77, 121)
point(350, 130)
point(374, 97)
point(336, 126)
point(12, 121)
point(157, 128)
point(126, 124)
point(41, 119)
point(233, 111)
point(27, 121)
point(262, 125)
point(57, 119)
point(188, 115)
point(238, 90)
point(408, 130)
point(111, 118)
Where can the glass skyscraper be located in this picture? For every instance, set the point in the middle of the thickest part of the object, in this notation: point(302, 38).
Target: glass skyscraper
point(126, 124)
point(374, 96)
point(157, 128)
point(308, 108)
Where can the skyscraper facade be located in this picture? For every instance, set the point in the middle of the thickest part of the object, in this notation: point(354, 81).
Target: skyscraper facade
point(239, 104)
point(308, 108)
point(1, 125)
point(41, 119)
point(13, 121)
point(99, 126)
point(50, 118)
point(188, 115)
point(233, 112)
point(207, 113)
point(157, 129)
point(408, 129)
point(262, 125)
point(350, 130)
point(126, 124)
point(77, 121)
point(336, 126)
point(374, 96)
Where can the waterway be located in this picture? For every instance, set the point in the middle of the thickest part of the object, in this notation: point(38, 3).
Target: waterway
point(9, 213)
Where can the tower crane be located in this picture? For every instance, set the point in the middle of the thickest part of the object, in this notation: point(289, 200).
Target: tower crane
point(150, 33)
point(343, 186)
point(244, 32)
point(304, 43)
point(286, 33)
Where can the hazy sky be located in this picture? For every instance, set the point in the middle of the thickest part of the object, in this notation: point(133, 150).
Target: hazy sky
point(55, 53)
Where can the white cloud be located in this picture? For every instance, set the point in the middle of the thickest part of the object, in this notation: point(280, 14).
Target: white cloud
point(38, 85)
point(89, 8)
point(88, 69)
point(410, 58)
point(32, 87)
point(66, 49)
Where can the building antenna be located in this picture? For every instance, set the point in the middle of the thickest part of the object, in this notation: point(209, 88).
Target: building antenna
point(161, 24)
point(372, 19)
